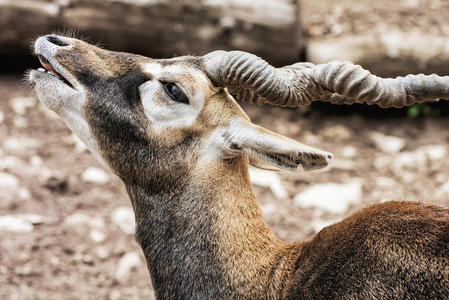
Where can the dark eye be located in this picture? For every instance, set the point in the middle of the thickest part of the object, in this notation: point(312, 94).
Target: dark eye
point(175, 92)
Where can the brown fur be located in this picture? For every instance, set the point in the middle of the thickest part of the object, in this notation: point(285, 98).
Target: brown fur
point(199, 224)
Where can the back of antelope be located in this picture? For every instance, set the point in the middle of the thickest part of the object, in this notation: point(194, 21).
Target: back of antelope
point(172, 131)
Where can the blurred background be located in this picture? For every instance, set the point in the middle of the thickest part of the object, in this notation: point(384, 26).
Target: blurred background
point(66, 224)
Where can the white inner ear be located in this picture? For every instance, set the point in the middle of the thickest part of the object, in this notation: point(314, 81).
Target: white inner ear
point(218, 146)
point(163, 112)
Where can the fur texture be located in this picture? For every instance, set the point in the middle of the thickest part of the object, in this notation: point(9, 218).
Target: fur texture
point(198, 223)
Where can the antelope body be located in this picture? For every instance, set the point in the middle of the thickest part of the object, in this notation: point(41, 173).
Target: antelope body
point(171, 130)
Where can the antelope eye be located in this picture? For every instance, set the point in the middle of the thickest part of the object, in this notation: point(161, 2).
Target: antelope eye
point(175, 92)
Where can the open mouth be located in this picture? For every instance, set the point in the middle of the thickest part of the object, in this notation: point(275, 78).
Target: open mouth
point(49, 69)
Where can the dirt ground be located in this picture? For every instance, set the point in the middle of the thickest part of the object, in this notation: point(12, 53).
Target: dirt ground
point(73, 252)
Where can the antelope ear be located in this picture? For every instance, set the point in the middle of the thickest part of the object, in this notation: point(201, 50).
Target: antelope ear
point(267, 149)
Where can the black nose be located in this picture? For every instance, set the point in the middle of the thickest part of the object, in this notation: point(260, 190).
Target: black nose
point(56, 40)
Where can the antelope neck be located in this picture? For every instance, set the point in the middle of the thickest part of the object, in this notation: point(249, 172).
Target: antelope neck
point(205, 237)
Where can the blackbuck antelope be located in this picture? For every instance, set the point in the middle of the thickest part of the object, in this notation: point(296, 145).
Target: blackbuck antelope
point(172, 131)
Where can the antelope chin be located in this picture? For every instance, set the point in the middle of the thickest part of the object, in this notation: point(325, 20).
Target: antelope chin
point(54, 85)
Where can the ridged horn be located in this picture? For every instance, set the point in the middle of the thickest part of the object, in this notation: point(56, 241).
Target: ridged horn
point(250, 78)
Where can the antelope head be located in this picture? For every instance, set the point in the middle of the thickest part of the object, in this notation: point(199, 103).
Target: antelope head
point(147, 118)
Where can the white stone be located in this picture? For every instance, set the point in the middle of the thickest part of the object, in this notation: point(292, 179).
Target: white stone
point(348, 152)
point(8, 181)
point(95, 175)
point(434, 152)
point(34, 219)
point(318, 225)
point(388, 144)
point(36, 161)
point(20, 122)
point(330, 197)
point(412, 160)
point(83, 219)
point(15, 224)
point(23, 193)
point(126, 264)
point(342, 164)
point(123, 216)
point(97, 236)
point(443, 190)
point(269, 208)
point(386, 183)
point(20, 144)
point(2, 117)
point(268, 179)
point(20, 105)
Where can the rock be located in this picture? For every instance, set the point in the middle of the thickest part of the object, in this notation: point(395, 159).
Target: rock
point(268, 179)
point(20, 105)
point(20, 144)
point(2, 117)
point(420, 158)
point(386, 183)
point(342, 164)
point(34, 219)
point(126, 264)
point(123, 216)
point(95, 175)
point(348, 152)
point(97, 236)
point(382, 161)
point(434, 153)
point(412, 160)
point(443, 190)
point(15, 224)
point(388, 144)
point(77, 219)
point(36, 161)
point(330, 197)
point(8, 181)
point(336, 132)
point(20, 122)
point(269, 208)
point(318, 225)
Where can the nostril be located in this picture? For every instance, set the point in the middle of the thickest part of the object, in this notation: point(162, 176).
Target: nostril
point(57, 41)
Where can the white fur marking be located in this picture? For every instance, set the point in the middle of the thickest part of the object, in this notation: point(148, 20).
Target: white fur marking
point(163, 112)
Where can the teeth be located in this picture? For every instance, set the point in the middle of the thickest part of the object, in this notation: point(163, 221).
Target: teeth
point(41, 70)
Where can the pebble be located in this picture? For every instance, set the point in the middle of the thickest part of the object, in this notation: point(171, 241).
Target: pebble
point(268, 179)
point(34, 219)
point(20, 105)
point(318, 225)
point(348, 152)
point(330, 197)
point(83, 219)
point(126, 264)
point(97, 236)
point(20, 144)
point(123, 216)
point(412, 160)
point(8, 181)
point(15, 224)
point(434, 152)
point(443, 190)
point(337, 132)
point(388, 144)
point(95, 175)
